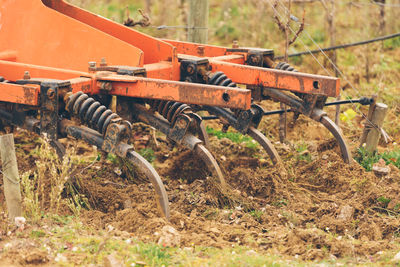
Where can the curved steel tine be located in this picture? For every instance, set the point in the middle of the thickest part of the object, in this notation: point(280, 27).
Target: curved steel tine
point(266, 144)
point(211, 163)
point(337, 133)
point(143, 165)
point(203, 135)
point(60, 149)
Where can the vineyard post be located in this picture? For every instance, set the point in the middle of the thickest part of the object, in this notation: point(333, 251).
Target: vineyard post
point(372, 130)
point(11, 183)
point(198, 21)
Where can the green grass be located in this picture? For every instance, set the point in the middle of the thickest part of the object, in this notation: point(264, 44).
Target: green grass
point(367, 160)
point(234, 137)
point(148, 154)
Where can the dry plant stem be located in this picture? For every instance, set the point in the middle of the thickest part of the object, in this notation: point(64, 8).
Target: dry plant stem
point(285, 29)
point(330, 10)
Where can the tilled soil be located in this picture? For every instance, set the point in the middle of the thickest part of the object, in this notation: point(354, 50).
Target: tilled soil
point(316, 209)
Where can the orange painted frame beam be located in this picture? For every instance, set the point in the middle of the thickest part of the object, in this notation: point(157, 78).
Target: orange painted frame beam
point(13, 71)
point(190, 93)
point(199, 50)
point(20, 94)
point(283, 80)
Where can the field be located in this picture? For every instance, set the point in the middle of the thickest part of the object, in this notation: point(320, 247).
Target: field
point(92, 210)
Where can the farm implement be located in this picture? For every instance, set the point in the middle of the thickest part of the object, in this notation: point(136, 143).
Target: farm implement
point(62, 66)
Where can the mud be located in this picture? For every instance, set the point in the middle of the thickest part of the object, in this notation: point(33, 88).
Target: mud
point(320, 209)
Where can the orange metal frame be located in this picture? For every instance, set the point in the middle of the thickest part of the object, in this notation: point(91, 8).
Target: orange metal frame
point(55, 40)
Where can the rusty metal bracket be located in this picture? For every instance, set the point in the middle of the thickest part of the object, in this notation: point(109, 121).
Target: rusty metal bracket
point(193, 70)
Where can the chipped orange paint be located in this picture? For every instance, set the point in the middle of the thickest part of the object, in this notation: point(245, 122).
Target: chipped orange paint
point(184, 92)
point(284, 80)
point(21, 94)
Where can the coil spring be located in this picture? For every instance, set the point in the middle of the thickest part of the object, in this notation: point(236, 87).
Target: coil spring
point(219, 78)
point(170, 110)
point(285, 66)
point(90, 111)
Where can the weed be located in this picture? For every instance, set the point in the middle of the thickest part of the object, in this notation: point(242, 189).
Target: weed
point(154, 254)
point(256, 214)
point(367, 160)
point(234, 137)
point(148, 154)
point(303, 153)
point(37, 234)
point(280, 203)
point(385, 201)
point(30, 196)
point(42, 189)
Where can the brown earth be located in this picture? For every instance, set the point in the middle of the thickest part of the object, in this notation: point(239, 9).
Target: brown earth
point(319, 209)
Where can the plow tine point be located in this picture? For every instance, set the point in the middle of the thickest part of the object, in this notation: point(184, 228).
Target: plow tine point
point(203, 135)
point(211, 163)
point(144, 166)
point(337, 133)
point(266, 144)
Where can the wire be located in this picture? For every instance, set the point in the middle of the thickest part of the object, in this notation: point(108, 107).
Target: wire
point(163, 27)
point(363, 101)
point(382, 4)
point(381, 38)
point(336, 68)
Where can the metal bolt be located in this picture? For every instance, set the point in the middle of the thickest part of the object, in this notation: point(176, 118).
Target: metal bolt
point(255, 60)
point(51, 94)
point(27, 75)
point(105, 86)
point(103, 62)
point(200, 50)
point(92, 66)
point(190, 69)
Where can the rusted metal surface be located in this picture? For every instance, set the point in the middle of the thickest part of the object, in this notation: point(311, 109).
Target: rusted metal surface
point(283, 80)
point(184, 92)
point(21, 94)
point(180, 134)
point(94, 138)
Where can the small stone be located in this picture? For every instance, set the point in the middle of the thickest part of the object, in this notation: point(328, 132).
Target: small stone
point(251, 252)
point(170, 237)
point(36, 257)
point(20, 222)
point(111, 261)
point(381, 171)
point(396, 257)
point(346, 213)
point(223, 158)
point(325, 157)
point(128, 204)
point(60, 258)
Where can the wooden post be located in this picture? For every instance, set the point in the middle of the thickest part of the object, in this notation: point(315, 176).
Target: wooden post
point(374, 132)
point(369, 118)
point(198, 21)
point(12, 189)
